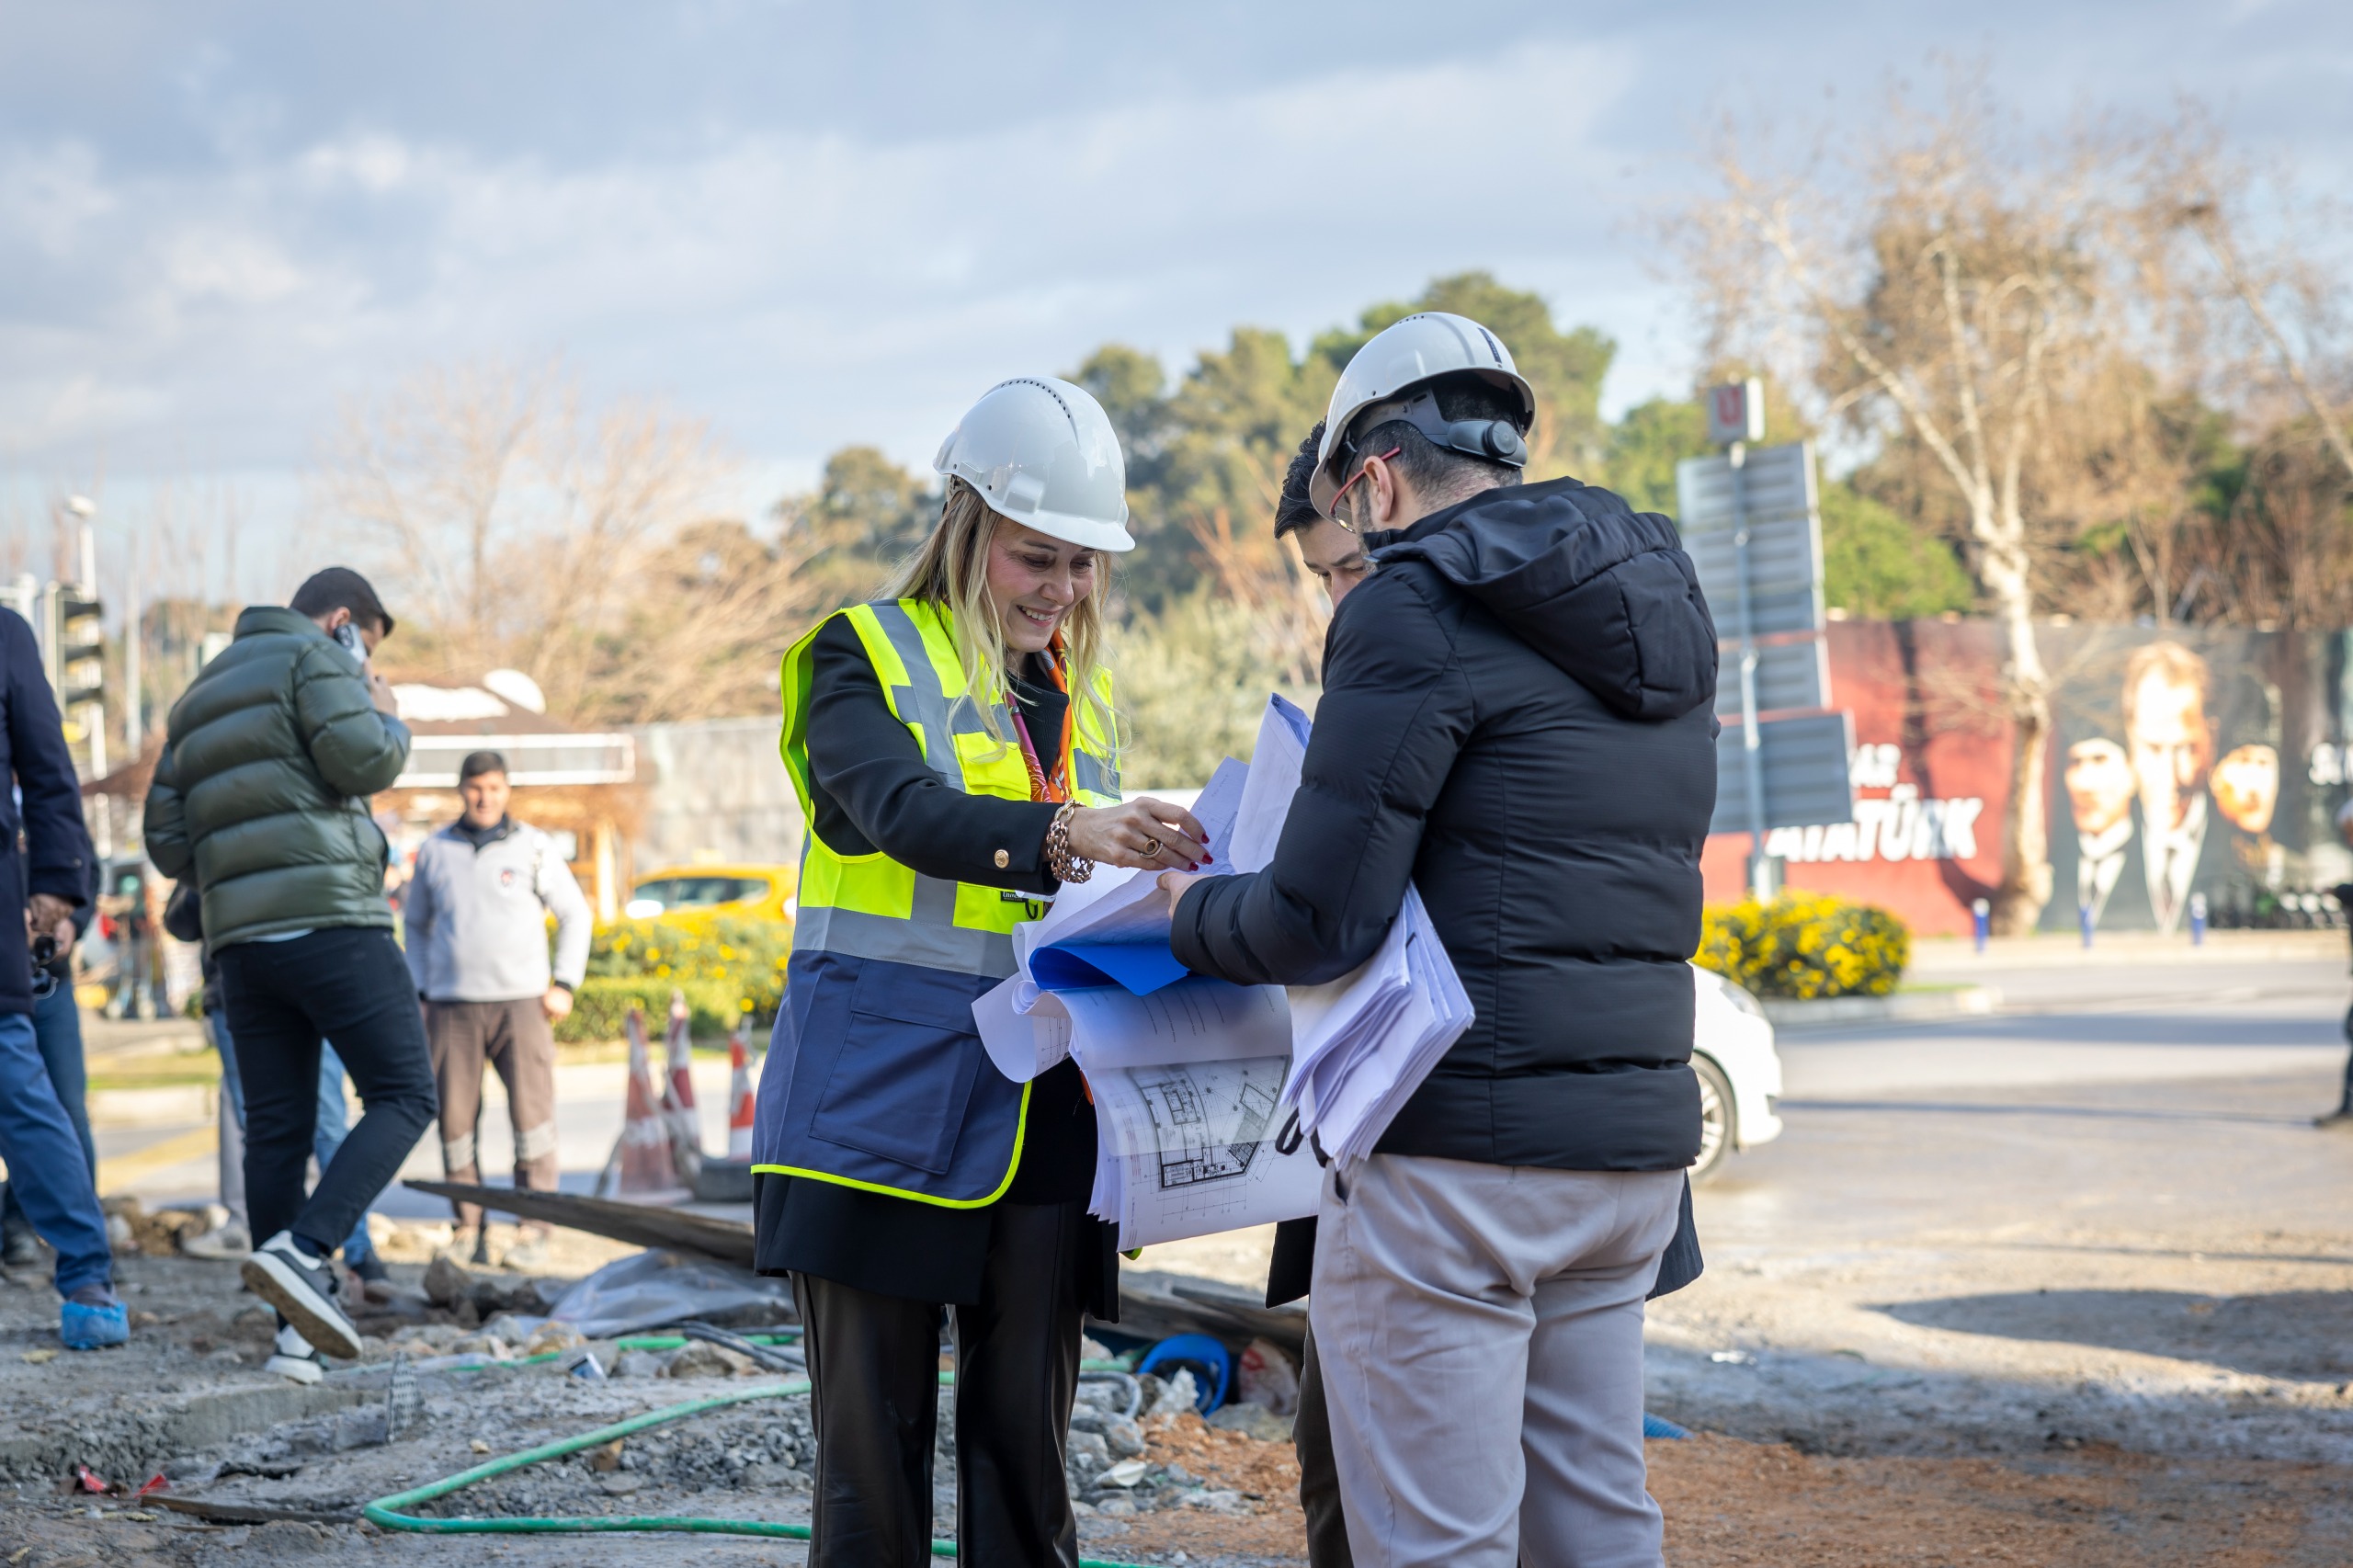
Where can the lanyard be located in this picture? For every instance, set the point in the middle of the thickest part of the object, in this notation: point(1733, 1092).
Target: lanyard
point(1042, 786)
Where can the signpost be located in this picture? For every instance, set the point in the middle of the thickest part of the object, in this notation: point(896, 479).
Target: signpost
point(1752, 525)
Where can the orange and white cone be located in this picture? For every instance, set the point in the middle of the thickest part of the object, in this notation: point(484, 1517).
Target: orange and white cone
point(647, 1170)
point(678, 1097)
point(740, 1102)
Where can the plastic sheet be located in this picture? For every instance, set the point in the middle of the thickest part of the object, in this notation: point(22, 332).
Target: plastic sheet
point(655, 1287)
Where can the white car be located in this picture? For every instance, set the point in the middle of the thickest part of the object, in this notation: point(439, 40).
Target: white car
point(1740, 1073)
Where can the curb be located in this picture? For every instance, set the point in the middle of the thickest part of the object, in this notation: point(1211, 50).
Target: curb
point(1903, 1008)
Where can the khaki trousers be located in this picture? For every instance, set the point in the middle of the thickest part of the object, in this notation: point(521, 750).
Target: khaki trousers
point(519, 1044)
point(1479, 1329)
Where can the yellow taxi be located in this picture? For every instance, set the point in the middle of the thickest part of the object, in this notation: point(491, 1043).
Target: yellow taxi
point(695, 893)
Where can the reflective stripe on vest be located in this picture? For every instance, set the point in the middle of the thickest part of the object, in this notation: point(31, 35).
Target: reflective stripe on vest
point(861, 909)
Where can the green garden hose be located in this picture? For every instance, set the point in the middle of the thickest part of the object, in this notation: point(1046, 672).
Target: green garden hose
point(385, 1512)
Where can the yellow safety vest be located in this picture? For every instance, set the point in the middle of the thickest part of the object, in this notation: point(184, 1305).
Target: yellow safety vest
point(876, 1077)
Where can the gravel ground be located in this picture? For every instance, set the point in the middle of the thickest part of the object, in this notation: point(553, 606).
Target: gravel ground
point(2101, 1320)
point(187, 1401)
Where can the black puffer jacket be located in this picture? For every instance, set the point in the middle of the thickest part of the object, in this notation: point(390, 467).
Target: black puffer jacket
point(1517, 716)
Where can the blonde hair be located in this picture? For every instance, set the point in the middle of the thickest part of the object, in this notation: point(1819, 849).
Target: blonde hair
point(950, 569)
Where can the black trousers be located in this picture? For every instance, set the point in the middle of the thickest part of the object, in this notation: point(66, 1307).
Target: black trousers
point(874, 1360)
point(348, 984)
point(1318, 1479)
point(2345, 1100)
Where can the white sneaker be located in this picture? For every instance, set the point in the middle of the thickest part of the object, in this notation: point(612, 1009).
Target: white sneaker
point(293, 1358)
point(224, 1242)
point(303, 1289)
point(527, 1256)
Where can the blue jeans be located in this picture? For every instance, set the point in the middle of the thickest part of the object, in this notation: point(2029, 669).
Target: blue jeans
point(326, 1132)
point(57, 1030)
point(46, 1171)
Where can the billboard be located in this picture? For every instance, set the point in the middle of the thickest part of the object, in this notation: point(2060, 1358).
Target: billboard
point(2182, 762)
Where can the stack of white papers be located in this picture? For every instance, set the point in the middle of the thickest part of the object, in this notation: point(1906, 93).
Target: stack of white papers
point(1193, 1078)
point(1365, 1042)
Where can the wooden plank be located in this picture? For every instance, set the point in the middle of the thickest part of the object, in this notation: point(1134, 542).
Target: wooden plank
point(640, 1224)
point(1152, 1305)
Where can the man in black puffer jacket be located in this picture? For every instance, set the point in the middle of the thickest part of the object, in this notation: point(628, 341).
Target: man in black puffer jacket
point(1517, 718)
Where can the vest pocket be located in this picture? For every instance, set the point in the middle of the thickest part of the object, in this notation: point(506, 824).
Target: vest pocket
point(904, 1070)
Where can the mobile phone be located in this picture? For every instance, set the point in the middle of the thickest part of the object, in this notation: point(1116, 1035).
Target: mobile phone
point(348, 635)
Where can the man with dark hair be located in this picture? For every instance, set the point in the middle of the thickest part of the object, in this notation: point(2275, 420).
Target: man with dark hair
point(1518, 720)
point(476, 917)
point(1331, 553)
point(261, 795)
point(40, 887)
point(341, 588)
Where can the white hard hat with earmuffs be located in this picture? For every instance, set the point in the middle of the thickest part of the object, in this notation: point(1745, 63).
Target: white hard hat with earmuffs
point(1392, 377)
point(1043, 452)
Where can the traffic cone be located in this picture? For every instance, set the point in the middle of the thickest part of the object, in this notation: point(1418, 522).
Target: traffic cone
point(647, 1169)
point(678, 1097)
point(740, 1102)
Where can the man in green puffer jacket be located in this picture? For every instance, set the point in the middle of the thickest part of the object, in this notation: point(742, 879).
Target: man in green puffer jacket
point(261, 796)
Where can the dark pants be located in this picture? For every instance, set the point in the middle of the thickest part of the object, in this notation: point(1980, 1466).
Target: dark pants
point(326, 1132)
point(1319, 1479)
point(2345, 1100)
point(349, 983)
point(57, 1030)
point(875, 1362)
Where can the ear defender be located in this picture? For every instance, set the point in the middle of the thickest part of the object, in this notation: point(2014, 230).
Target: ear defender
point(1497, 440)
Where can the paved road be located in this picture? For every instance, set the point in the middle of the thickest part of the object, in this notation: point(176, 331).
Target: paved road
point(2110, 1220)
point(2120, 1023)
point(2151, 1099)
point(2087, 1061)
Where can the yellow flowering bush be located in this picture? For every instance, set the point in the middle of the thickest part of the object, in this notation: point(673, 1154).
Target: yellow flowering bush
point(725, 967)
point(1805, 947)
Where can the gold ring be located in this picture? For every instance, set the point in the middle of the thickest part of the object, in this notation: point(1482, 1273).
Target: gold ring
point(1150, 847)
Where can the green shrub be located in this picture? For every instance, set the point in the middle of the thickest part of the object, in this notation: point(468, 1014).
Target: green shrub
point(726, 967)
point(600, 1008)
point(1805, 947)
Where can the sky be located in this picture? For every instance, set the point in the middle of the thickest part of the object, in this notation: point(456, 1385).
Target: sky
point(817, 225)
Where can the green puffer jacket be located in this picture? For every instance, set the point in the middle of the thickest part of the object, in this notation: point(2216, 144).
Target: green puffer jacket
point(262, 788)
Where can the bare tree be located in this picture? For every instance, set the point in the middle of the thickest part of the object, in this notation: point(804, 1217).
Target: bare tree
point(514, 520)
point(2204, 211)
point(1945, 292)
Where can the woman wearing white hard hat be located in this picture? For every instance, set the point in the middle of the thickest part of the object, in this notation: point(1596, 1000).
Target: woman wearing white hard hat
point(955, 749)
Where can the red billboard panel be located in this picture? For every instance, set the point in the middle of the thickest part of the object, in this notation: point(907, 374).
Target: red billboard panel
point(2182, 763)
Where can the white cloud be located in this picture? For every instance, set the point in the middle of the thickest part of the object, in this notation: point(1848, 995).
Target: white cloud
point(858, 269)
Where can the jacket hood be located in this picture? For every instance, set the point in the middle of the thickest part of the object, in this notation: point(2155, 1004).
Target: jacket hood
point(1604, 592)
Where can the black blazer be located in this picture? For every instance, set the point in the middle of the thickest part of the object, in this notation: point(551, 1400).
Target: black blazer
point(46, 806)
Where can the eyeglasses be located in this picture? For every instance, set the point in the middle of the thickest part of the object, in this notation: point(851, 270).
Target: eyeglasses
point(1334, 512)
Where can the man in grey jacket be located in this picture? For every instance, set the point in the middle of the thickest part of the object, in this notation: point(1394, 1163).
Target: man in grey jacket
point(476, 915)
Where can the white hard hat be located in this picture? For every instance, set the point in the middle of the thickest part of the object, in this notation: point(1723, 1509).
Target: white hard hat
point(1403, 356)
point(1043, 452)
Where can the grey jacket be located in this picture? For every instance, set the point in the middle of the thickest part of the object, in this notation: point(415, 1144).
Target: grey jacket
point(261, 792)
point(476, 919)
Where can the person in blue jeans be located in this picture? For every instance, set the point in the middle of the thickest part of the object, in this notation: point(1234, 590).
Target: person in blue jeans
point(40, 887)
point(57, 1035)
point(57, 1028)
